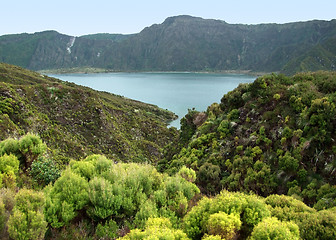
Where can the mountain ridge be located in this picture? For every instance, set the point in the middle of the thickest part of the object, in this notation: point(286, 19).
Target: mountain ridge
point(180, 43)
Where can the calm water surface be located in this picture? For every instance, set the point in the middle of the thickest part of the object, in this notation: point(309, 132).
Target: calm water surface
point(176, 92)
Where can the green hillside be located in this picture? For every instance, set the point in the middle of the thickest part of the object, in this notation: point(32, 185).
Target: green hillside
point(76, 121)
point(182, 43)
point(321, 57)
point(81, 164)
point(274, 136)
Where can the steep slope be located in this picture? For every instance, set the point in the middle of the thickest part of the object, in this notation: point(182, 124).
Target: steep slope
point(181, 43)
point(51, 50)
point(321, 57)
point(189, 43)
point(275, 135)
point(75, 121)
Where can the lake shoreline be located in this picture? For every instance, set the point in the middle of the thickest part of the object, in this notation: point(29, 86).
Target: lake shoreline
point(175, 91)
point(102, 70)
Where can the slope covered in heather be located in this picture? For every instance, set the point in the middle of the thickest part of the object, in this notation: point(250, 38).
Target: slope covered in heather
point(75, 121)
point(265, 139)
point(275, 135)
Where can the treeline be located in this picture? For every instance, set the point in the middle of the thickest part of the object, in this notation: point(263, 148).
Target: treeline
point(96, 198)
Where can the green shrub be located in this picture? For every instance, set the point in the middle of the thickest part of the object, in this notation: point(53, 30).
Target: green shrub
point(272, 228)
point(147, 210)
point(9, 167)
point(276, 96)
point(44, 171)
point(209, 177)
point(27, 219)
point(211, 237)
point(27, 149)
point(108, 230)
point(156, 228)
point(68, 195)
point(319, 225)
point(84, 169)
point(286, 208)
point(105, 198)
point(250, 209)
point(3, 216)
point(233, 115)
point(10, 146)
point(224, 128)
point(31, 146)
point(187, 173)
point(224, 225)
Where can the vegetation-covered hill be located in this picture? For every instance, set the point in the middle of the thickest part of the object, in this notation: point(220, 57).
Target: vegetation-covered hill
point(76, 121)
point(274, 136)
point(182, 43)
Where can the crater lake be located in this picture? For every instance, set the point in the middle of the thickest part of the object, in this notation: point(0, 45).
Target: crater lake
point(176, 92)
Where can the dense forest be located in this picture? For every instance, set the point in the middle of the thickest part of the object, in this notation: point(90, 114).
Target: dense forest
point(81, 164)
point(181, 43)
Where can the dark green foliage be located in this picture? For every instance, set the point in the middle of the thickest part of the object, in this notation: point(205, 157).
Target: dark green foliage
point(44, 171)
point(109, 230)
point(157, 228)
point(274, 135)
point(188, 127)
point(209, 177)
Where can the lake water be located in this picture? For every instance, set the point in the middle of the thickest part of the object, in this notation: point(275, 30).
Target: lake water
point(176, 92)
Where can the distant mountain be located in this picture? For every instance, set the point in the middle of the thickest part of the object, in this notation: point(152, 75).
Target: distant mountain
point(182, 43)
point(50, 50)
